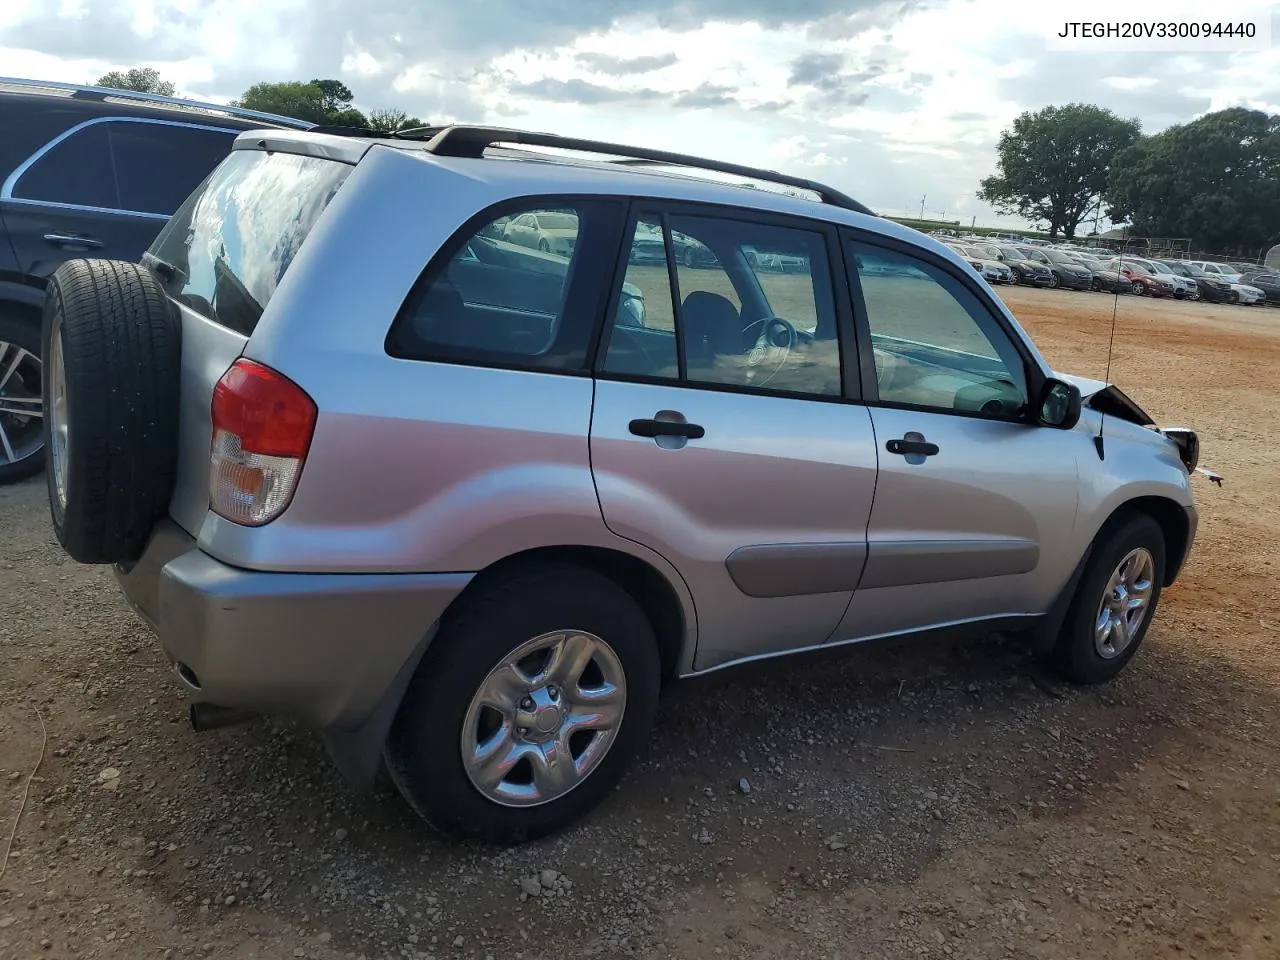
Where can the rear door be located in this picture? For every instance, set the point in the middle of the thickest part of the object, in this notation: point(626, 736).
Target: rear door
point(104, 188)
point(973, 502)
point(724, 439)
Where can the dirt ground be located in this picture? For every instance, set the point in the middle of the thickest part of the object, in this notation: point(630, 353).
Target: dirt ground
point(909, 801)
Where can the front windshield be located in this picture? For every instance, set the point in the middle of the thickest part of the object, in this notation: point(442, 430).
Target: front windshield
point(1011, 254)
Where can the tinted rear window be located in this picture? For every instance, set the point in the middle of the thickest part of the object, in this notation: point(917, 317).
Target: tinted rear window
point(233, 239)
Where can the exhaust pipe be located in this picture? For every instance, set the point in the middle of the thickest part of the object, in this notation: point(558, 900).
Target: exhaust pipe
point(210, 716)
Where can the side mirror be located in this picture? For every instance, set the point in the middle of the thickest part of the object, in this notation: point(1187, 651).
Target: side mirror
point(1059, 405)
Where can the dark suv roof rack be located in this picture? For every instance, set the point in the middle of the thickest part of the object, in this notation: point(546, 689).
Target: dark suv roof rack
point(471, 141)
point(85, 92)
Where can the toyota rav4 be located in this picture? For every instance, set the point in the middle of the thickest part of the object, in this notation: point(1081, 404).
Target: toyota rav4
point(465, 500)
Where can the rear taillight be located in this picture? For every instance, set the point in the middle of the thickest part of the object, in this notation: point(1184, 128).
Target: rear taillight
point(262, 427)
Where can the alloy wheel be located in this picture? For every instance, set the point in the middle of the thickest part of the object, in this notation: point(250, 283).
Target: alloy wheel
point(1124, 603)
point(21, 406)
point(544, 718)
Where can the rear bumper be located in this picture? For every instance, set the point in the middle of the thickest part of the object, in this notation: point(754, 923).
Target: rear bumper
point(320, 648)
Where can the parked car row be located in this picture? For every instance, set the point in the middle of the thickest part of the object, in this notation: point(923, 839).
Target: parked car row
point(1076, 268)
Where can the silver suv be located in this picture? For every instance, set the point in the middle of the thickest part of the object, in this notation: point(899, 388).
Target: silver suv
point(466, 502)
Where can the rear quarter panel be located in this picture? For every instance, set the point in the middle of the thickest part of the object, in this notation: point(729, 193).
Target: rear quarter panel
point(414, 466)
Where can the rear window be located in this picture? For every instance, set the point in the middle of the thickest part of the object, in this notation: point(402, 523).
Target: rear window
point(228, 246)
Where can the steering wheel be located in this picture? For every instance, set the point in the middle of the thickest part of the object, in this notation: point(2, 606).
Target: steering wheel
point(771, 349)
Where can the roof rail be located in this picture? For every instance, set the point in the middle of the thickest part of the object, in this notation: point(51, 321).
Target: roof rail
point(88, 92)
point(471, 141)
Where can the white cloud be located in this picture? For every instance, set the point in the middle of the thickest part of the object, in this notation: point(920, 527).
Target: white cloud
point(889, 99)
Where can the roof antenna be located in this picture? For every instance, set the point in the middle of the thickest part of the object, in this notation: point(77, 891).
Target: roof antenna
point(1111, 344)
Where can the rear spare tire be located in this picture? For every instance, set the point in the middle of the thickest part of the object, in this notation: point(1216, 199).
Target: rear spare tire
point(112, 349)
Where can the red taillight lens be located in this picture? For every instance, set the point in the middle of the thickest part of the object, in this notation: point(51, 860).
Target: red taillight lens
point(262, 428)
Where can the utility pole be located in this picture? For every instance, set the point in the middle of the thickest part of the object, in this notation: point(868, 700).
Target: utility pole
point(973, 222)
point(922, 200)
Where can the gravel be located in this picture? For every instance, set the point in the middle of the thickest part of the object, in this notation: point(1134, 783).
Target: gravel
point(924, 800)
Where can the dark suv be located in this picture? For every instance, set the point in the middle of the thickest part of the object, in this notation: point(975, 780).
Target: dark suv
point(86, 170)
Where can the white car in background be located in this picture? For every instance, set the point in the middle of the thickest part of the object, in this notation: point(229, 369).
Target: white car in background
point(1249, 294)
point(993, 271)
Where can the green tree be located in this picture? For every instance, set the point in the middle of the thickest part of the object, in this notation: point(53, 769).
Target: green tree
point(337, 96)
point(389, 121)
point(1215, 180)
point(302, 101)
point(1052, 165)
point(320, 101)
point(139, 80)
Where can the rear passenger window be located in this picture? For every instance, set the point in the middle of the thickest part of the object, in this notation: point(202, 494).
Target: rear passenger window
point(752, 307)
point(76, 170)
point(131, 165)
point(158, 164)
point(521, 289)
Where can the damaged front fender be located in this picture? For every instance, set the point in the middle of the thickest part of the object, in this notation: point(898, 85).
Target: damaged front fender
point(1111, 401)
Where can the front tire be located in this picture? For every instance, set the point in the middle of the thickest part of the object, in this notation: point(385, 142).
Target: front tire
point(528, 706)
point(1114, 604)
point(1138, 289)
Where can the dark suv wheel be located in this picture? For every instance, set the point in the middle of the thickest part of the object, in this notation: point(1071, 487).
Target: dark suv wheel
point(21, 409)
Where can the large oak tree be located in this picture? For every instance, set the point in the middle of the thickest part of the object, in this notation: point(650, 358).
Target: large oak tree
point(1053, 165)
point(1215, 180)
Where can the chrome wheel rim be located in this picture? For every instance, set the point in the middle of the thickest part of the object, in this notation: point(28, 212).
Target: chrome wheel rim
point(21, 406)
point(59, 426)
point(544, 718)
point(1124, 604)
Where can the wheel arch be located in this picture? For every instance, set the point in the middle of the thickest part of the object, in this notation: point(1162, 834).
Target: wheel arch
point(647, 585)
point(357, 752)
point(23, 308)
point(1174, 523)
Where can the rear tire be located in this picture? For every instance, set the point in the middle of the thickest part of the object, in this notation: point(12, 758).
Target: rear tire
point(23, 435)
point(1088, 651)
point(432, 751)
point(113, 348)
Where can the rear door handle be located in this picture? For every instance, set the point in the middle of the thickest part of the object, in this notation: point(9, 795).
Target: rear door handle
point(66, 240)
point(666, 428)
point(908, 447)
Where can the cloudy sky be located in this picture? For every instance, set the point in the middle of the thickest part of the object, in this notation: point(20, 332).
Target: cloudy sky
point(891, 100)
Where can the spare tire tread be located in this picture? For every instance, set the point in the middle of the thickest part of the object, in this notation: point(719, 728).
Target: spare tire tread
point(121, 342)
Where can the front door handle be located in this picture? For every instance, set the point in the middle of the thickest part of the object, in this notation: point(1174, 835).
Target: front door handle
point(667, 428)
point(909, 446)
point(66, 240)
